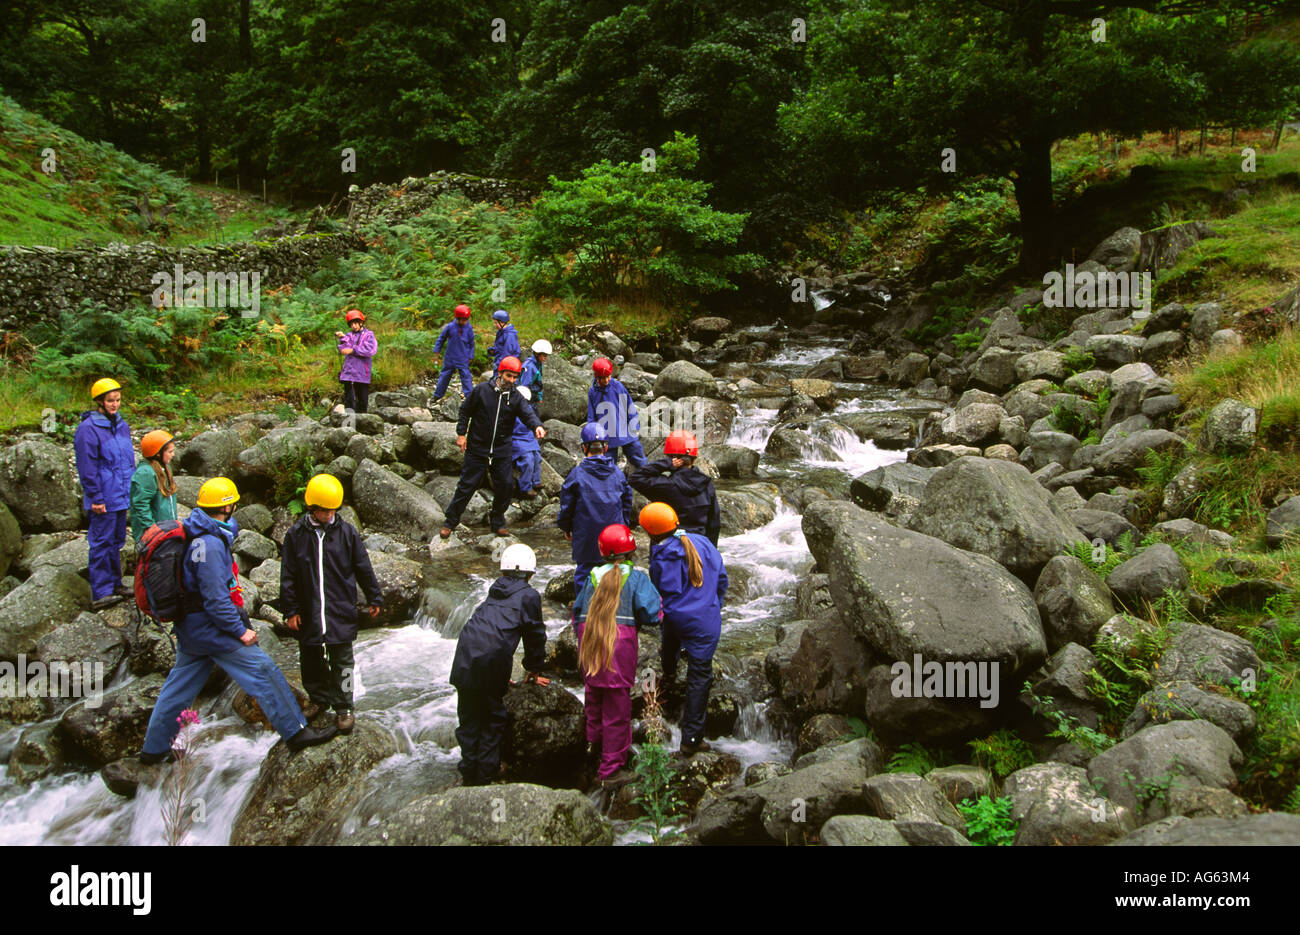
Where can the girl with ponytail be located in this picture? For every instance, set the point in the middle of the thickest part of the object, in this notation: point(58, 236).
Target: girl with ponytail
point(614, 600)
point(688, 572)
point(153, 488)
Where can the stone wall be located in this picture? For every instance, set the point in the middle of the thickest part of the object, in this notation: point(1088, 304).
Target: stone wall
point(36, 283)
point(413, 195)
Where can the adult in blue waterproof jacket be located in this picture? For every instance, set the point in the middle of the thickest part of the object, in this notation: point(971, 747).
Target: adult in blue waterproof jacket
point(105, 463)
point(594, 495)
point(689, 574)
point(214, 630)
point(457, 336)
point(610, 404)
point(507, 342)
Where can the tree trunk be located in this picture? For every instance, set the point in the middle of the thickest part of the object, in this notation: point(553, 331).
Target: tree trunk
point(244, 155)
point(204, 147)
point(1034, 195)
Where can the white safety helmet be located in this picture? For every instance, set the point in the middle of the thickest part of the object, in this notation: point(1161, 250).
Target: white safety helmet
point(518, 557)
point(525, 392)
point(541, 346)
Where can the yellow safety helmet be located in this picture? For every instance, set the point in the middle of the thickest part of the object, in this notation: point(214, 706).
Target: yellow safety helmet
point(104, 385)
point(220, 491)
point(324, 491)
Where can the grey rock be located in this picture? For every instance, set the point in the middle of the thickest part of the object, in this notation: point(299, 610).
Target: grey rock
point(209, 454)
point(392, 504)
point(38, 605)
point(1073, 602)
point(1270, 829)
point(1283, 523)
point(1226, 341)
point(1148, 575)
point(1136, 772)
point(1104, 525)
point(1229, 428)
point(907, 795)
point(860, 831)
point(1206, 318)
point(39, 485)
point(1185, 701)
point(683, 378)
point(99, 730)
point(959, 783)
point(1208, 655)
point(1055, 804)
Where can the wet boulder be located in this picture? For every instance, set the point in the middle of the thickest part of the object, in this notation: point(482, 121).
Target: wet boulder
point(38, 753)
point(875, 489)
point(995, 508)
point(976, 424)
point(85, 640)
point(732, 460)
point(747, 507)
point(887, 430)
point(823, 671)
point(683, 378)
point(937, 456)
point(107, 727)
point(50, 597)
point(974, 608)
point(39, 485)
point(1054, 804)
point(510, 814)
point(793, 441)
point(546, 739)
point(400, 581)
point(394, 505)
point(303, 797)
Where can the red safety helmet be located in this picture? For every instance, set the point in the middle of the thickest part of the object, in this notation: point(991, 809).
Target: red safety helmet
point(510, 363)
point(615, 540)
point(681, 443)
point(601, 367)
point(462, 311)
point(354, 314)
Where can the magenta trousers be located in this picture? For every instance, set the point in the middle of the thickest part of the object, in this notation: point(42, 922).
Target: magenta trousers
point(609, 723)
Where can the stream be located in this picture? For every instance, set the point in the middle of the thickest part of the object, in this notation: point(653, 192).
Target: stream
point(402, 672)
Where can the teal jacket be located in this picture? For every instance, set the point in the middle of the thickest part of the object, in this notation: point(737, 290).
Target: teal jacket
point(148, 505)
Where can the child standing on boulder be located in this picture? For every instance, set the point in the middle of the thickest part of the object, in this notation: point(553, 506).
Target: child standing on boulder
point(614, 600)
point(484, 657)
point(358, 346)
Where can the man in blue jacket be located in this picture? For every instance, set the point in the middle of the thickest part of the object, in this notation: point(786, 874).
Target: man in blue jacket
point(484, 657)
point(594, 495)
point(610, 404)
point(214, 630)
point(457, 336)
point(507, 342)
point(105, 463)
point(485, 432)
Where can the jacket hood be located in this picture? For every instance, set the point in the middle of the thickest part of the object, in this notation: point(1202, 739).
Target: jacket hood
point(97, 417)
point(200, 523)
point(693, 478)
point(505, 586)
point(600, 466)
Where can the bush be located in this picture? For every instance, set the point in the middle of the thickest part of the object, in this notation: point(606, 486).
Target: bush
point(620, 231)
point(989, 821)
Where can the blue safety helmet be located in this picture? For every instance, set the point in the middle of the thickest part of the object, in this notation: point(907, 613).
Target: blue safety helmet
point(501, 315)
point(594, 432)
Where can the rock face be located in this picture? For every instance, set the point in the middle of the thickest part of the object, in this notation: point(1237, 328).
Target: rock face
point(34, 608)
point(1055, 805)
point(114, 727)
point(39, 486)
point(682, 378)
point(392, 504)
point(546, 740)
point(301, 797)
point(997, 509)
point(1136, 772)
point(517, 813)
point(973, 609)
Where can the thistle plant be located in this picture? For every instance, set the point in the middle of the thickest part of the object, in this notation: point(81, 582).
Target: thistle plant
point(177, 812)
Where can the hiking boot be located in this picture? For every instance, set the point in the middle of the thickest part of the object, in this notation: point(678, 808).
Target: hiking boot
point(444, 532)
point(153, 759)
point(345, 721)
point(123, 591)
point(621, 778)
point(310, 710)
point(310, 737)
point(108, 600)
point(531, 494)
point(689, 749)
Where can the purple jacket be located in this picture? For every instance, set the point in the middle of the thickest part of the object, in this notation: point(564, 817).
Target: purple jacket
point(356, 366)
point(105, 460)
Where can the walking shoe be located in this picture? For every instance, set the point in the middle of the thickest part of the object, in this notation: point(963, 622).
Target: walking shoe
point(621, 778)
point(108, 600)
point(345, 720)
point(503, 531)
point(123, 590)
point(689, 749)
point(310, 736)
point(531, 494)
point(153, 759)
point(310, 710)
point(444, 533)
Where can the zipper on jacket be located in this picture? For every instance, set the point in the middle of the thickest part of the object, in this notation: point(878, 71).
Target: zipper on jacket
point(320, 577)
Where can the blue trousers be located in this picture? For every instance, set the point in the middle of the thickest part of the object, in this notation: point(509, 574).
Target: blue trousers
point(699, 679)
point(633, 451)
point(444, 378)
point(105, 537)
point(252, 670)
point(580, 575)
point(529, 465)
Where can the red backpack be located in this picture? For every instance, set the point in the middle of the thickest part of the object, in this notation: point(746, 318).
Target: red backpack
point(158, 590)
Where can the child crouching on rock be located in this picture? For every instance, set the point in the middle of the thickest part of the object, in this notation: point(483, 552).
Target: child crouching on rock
point(615, 599)
point(484, 657)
